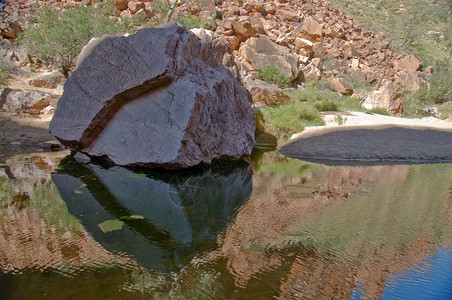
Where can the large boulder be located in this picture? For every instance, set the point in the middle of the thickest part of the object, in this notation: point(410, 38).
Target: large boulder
point(389, 96)
point(156, 98)
point(261, 52)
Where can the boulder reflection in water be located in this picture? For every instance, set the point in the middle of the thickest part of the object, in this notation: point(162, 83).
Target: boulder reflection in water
point(168, 217)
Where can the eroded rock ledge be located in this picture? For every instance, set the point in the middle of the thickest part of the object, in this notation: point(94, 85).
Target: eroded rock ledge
point(156, 98)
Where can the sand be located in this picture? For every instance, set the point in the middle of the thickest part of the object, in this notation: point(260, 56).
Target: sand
point(23, 134)
point(374, 138)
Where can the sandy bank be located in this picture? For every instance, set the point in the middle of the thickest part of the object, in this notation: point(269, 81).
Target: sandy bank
point(374, 137)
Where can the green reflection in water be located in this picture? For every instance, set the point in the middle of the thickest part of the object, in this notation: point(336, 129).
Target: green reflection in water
point(320, 230)
point(411, 208)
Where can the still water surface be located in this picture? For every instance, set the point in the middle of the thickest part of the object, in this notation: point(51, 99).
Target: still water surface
point(274, 228)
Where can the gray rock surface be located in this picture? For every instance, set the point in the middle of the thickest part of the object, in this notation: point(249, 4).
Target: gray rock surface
point(155, 99)
point(23, 100)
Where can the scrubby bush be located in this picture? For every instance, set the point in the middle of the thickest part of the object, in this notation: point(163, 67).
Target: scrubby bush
point(274, 76)
point(317, 90)
point(5, 69)
point(3, 77)
point(60, 35)
point(293, 117)
point(326, 106)
point(348, 103)
point(379, 111)
point(440, 84)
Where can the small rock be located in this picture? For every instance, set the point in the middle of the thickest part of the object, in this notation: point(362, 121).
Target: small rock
point(243, 29)
point(266, 93)
point(342, 85)
point(121, 4)
point(53, 145)
point(82, 158)
point(409, 62)
point(310, 29)
point(50, 81)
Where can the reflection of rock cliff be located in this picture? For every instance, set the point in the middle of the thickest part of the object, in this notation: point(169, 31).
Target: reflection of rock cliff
point(163, 220)
point(36, 231)
point(338, 228)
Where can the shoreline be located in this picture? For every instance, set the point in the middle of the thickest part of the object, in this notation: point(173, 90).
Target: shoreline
point(361, 120)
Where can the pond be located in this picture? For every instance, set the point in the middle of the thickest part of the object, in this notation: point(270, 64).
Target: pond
point(269, 227)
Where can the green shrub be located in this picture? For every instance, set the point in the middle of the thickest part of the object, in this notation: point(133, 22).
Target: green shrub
point(293, 117)
point(340, 120)
point(379, 111)
point(274, 76)
point(3, 77)
point(317, 90)
point(445, 111)
point(60, 35)
point(5, 69)
point(326, 106)
point(440, 83)
point(189, 22)
point(350, 104)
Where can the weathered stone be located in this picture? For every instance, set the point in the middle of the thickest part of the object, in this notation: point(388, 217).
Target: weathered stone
point(350, 51)
point(266, 93)
point(234, 42)
point(334, 51)
point(301, 43)
point(243, 29)
point(10, 29)
point(311, 29)
point(18, 56)
point(411, 81)
point(354, 64)
point(261, 52)
point(121, 4)
point(82, 158)
point(409, 62)
point(257, 25)
point(135, 6)
point(311, 72)
point(389, 96)
point(255, 6)
point(335, 31)
point(23, 101)
point(342, 85)
point(319, 50)
point(50, 81)
point(154, 99)
point(288, 15)
point(270, 8)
